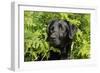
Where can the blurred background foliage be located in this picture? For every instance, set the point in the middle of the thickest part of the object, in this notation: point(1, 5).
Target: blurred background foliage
point(35, 33)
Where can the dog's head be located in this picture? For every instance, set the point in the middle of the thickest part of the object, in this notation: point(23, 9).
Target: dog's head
point(60, 32)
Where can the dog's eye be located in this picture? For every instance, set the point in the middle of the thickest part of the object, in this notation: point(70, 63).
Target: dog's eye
point(52, 28)
point(61, 27)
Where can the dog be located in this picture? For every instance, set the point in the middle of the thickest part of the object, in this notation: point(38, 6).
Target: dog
point(60, 35)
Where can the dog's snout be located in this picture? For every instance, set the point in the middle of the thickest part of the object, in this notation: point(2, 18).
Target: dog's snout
point(52, 37)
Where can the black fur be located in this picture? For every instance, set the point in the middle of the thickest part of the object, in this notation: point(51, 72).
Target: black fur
point(60, 35)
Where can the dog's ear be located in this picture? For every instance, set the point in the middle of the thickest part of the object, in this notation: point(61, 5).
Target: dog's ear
point(72, 31)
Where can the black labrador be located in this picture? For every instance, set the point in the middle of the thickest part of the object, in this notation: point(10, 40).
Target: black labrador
point(60, 35)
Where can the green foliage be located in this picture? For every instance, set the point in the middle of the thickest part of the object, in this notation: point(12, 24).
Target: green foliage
point(35, 34)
